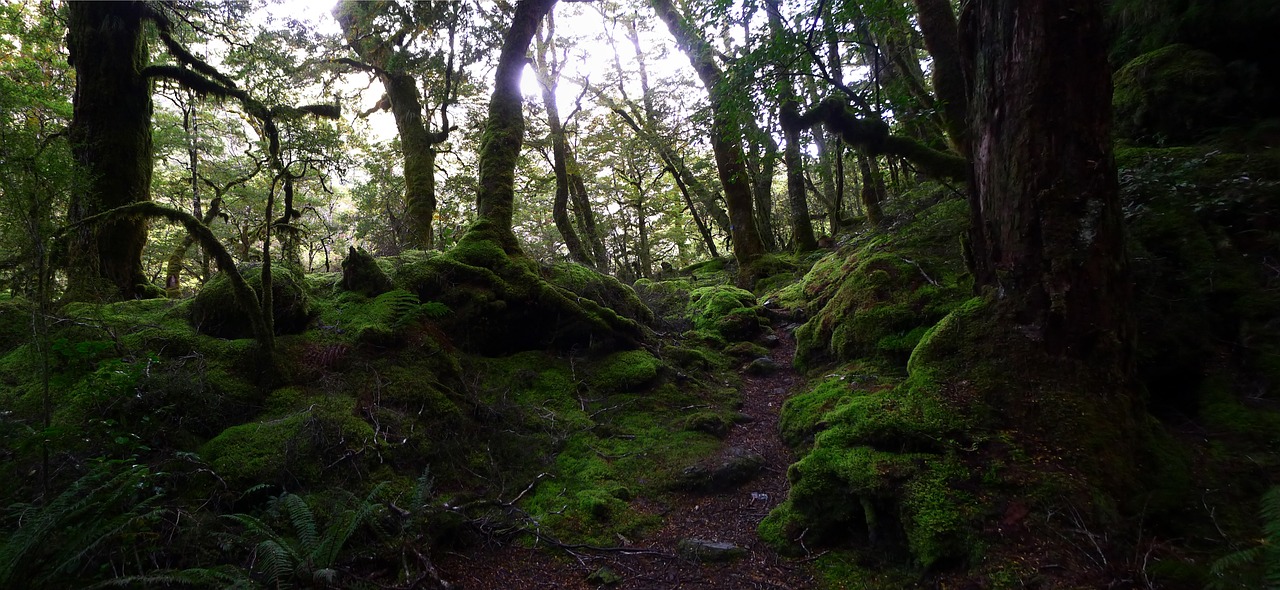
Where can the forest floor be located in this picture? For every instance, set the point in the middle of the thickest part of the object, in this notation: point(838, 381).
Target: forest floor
point(656, 561)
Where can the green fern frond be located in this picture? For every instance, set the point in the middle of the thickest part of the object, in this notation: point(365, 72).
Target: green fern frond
point(278, 562)
point(435, 309)
point(303, 521)
point(1271, 515)
point(423, 490)
point(1263, 559)
point(58, 538)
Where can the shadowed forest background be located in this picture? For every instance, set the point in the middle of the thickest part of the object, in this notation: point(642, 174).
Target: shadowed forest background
point(435, 294)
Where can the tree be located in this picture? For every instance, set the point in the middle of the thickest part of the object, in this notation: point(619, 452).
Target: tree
point(503, 133)
point(381, 34)
point(547, 67)
point(726, 136)
point(1046, 228)
point(110, 136)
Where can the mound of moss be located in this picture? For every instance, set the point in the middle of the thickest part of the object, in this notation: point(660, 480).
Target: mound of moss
point(298, 446)
point(902, 467)
point(601, 288)
point(502, 304)
point(727, 312)
point(878, 298)
point(361, 274)
point(1174, 94)
point(215, 312)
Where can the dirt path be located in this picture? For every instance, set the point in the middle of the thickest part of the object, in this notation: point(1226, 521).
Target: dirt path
point(655, 562)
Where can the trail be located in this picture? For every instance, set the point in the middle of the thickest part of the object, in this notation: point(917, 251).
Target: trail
point(728, 517)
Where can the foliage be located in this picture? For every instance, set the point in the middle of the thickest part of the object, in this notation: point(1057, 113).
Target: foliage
point(62, 542)
point(306, 554)
point(1260, 563)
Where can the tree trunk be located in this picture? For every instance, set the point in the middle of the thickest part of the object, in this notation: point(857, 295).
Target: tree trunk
point(726, 137)
point(1046, 230)
point(801, 227)
point(548, 73)
point(762, 168)
point(503, 133)
point(872, 187)
point(938, 25)
point(417, 141)
point(110, 135)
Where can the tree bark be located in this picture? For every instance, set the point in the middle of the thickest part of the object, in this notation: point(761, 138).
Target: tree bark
point(726, 136)
point(417, 141)
point(873, 191)
point(1046, 230)
point(110, 135)
point(548, 75)
point(503, 133)
point(941, 38)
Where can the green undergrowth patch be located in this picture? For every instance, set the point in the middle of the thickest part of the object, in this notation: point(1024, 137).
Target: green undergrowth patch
point(594, 434)
point(727, 312)
point(215, 311)
point(876, 297)
point(502, 303)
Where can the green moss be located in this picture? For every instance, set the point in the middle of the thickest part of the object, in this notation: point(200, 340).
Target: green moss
point(876, 299)
point(608, 291)
point(1172, 94)
point(214, 310)
point(729, 312)
point(299, 446)
point(804, 414)
point(15, 323)
point(502, 304)
point(629, 370)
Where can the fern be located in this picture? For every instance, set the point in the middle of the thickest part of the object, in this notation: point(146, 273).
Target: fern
point(309, 553)
point(1260, 561)
point(56, 541)
point(435, 309)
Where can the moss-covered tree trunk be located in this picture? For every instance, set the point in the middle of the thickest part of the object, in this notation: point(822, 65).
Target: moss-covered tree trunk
point(938, 26)
point(873, 190)
point(110, 135)
point(1046, 229)
point(503, 134)
point(726, 136)
point(417, 141)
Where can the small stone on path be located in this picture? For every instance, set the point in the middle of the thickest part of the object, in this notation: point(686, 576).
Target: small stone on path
point(710, 551)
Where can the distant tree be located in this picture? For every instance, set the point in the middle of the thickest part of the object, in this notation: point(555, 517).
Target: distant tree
point(726, 135)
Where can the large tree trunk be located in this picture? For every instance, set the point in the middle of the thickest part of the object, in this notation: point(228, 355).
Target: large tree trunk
point(110, 135)
point(726, 137)
point(1046, 231)
point(503, 134)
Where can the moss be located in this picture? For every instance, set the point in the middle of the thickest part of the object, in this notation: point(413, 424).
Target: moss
point(361, 274)
point(15, 322)
point(746, 350)
point(214, 311)
point(1259, 427)
point(705, 267)
point(729, 312)
point(629, 370)
point(301, 446)
point(501, 304)
point(1173, 94)
point(716, 424)
point(602, 288)
point(803, 415)
point(876, 298)
point(669, 301)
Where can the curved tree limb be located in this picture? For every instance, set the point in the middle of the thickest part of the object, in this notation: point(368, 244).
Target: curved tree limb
point(873, 135)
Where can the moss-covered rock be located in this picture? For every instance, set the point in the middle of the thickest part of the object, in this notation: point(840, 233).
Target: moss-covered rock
point(601, 288)
point(877, 299)
point(362, 274)
point(215, 312)
point(297, 446)
point(502, 304)
point(629, 370)
point(729, 312)
point(1171, 95)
